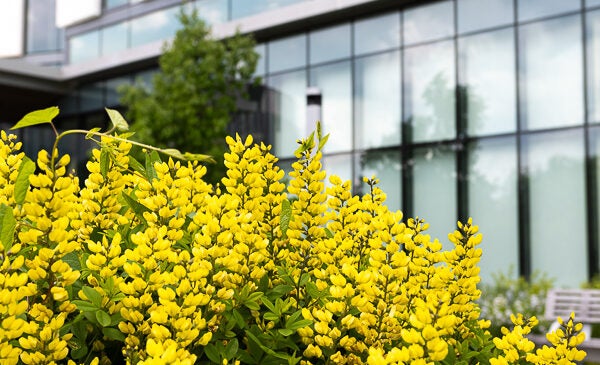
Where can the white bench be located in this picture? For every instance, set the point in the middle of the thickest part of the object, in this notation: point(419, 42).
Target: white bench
point(586, 305)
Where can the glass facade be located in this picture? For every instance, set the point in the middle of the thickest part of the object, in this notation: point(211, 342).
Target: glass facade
point(42, 33)
point(461, 108)
point(482, 108)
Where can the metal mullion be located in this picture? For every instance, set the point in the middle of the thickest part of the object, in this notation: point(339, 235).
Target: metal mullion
point(406, 130)
point(461, 164)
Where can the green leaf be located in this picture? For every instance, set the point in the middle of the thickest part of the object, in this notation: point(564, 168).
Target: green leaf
point(173, 153)
point(22, 183)
point(151, 158)
point(117, 120)
point(239, 318)
point(298, 324)
point(72, 260)
point(104, 162)
point(103, 318)
point(286, 216)
point(198, 157)
point(93, 296)
point(113, 334)
point(328, 233)
point(323, 141)
point(84, 306)
point(91, 133)
point(79, 353)
point(232, 348)
point(269, 316)
point(7, 226)
point(212, 353)
point(37, 117)
point(137, 207)
point(285, 332)
point(136, 166)
point(252, 305)
point(268, 304)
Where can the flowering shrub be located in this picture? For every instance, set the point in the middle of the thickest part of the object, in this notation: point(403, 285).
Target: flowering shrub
point(507, 295)
point(151, 261)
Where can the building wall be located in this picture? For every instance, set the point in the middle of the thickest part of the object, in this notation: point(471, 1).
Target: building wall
point(483, 108)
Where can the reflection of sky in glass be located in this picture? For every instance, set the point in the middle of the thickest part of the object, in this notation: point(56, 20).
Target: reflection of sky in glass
point(428, 22)
point(532, 9)
point(289, 106)
point(114, 38)
point(557, 204)
point(340, 165)
point(492, 189)
point(386, 166)
point(329, 44)
point(429, 91)
point(591, 3)
point(377, 105)
point(435, 191)
point(287, 53)
point(84, 47)
point(481, 14)
point(155, 26)
point(550, 68)
point(241, 8)
point(487, 71)
point(377, 33)
point(212, 11)
point(335, 83)
point(593, 54)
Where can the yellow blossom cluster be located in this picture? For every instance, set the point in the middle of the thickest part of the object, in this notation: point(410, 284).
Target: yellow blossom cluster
point(149, 263)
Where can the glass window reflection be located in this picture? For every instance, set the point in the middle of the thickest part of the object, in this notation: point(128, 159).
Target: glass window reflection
point(555, 166)
point(261, 65)
point(108, 4)
point(434, 191)
point(492, 197)
point(329, 44)
point(428, 22)
point(288, 106)
point(91, 97)
point(387, 167)
point(532, 9)
point(112, 90)
point(377, 105)
point(84, 47)
point(487, 82)
point(429, 99)
point(550, 66)
point(340, 165)
point(287, 53)
point(242, 8)
point(377, 33)
point(153, 27)
point(42, 33)
point(590, 3)
point(593, 64)
point(335, 83)
point(475, 15)
point(115, 38)
point(212, 11)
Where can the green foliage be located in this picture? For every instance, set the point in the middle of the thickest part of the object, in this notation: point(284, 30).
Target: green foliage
point(193, 97)
point(508, 294)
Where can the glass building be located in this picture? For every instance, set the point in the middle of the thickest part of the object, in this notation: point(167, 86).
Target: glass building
point(482, 108)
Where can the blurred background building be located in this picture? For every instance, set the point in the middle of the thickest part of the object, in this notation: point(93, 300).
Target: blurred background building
point(483, 108)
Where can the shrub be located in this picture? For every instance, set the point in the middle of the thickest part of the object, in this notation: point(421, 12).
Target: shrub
point(151, 261)
point(507, 295)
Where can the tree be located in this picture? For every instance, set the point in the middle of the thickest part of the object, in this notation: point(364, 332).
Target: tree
point(194, 96)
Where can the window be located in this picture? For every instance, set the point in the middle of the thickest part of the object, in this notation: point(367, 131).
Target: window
point(115, 38)
point(593, 63)
point(287, 53)
point(330, 44)
point(475, 15)
point(42, 33)
point(377, 33)
point(387, 167)
point(84, 47)
point(532, 9)
point(428, 22)
point(153, 27)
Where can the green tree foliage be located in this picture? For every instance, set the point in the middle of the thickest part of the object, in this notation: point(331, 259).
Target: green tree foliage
point(193, 97)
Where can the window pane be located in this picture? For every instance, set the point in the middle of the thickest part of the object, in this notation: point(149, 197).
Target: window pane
point(481, 14)
point(114, 38)
point(242, 8)
point(11, 22)
point(590, 3)
point(287, 53)
point(377, 109)
point(593, 54)
point(531, 9)
point(340, 165)
point(212, 11)
point(434, 191)
point(114, 3)
point(84, 47)
point(595, 157)
point(261, 66)
point(288, 105)
point(330, 44)
point(377, 33)
point(492, 187)
point(92, 97)
point(387, 167)
point(153, 27)
point(429, 91)
point(429, 22)
point(550, 70)
point(557, 201)
point(42, 33)
point(487, 76)
point(335, 84)
point(112, 92)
